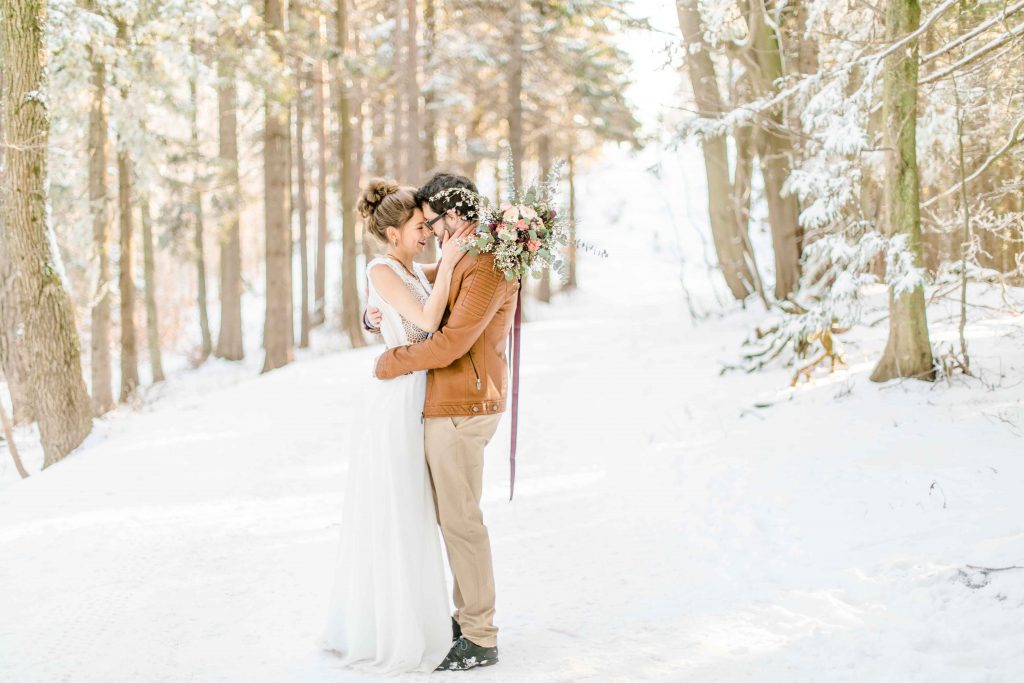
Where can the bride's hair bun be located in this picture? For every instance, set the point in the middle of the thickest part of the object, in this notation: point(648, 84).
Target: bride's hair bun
point(383, 204)
point(374, 194)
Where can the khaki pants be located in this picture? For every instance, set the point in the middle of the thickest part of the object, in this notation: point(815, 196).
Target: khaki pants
point(455, 456)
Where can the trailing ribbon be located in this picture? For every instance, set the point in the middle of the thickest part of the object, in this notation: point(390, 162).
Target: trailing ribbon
point(515, 337)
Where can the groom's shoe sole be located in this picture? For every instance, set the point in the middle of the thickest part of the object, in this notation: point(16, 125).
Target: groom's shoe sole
point(486, 662)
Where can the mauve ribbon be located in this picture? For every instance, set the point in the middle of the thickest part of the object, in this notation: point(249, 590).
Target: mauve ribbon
point(516, 333)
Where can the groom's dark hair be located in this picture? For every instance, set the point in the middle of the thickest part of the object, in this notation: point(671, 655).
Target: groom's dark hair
point(433, 193)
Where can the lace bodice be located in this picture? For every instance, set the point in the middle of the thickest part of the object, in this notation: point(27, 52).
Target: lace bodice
point(396, 330)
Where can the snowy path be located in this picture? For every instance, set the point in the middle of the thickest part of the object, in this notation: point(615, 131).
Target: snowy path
point(663, 529)
point(657, 533)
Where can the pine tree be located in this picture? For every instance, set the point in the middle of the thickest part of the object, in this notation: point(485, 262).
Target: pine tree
point(49, 343)
point(277, 330)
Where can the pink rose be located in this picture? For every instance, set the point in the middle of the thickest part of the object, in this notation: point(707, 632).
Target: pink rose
point(521, 225)
point(533, 245)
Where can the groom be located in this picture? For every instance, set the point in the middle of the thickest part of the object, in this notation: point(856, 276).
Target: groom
point(466, 388)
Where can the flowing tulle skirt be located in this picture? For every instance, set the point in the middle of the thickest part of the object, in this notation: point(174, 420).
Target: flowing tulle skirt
point(389, 609)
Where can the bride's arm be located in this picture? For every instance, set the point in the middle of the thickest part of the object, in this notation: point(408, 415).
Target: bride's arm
point(393, 290)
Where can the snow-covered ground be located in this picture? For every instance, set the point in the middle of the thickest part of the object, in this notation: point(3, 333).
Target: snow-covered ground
point(665, 528)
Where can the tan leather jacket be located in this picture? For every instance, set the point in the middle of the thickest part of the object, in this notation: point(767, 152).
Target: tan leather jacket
point(466, 356)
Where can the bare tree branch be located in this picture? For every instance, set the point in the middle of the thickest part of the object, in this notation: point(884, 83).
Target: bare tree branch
point(1015, 139)
point(967, 59)
point(980, 28)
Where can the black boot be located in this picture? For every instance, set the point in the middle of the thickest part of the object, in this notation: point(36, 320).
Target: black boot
point(456, 631)
point(465, 654)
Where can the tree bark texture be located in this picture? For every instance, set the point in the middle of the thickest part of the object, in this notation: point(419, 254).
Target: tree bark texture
point(47, 339)
point(908, 350)
point(277, 328)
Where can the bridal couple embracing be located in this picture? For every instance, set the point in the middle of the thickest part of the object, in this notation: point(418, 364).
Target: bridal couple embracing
point(417, 464)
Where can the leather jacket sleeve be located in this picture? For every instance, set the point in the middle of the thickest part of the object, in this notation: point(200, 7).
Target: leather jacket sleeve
point(480, 296)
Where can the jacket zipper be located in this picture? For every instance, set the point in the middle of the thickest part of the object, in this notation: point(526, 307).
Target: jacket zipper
point(473, 363)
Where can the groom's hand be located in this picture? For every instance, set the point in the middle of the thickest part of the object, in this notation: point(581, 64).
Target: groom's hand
point(372, 318)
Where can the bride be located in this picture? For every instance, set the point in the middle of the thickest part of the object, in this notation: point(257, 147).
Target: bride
point(389, 609)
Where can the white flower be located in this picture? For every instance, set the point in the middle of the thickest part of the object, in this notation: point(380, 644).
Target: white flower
point(511, 214)
point(527, 212)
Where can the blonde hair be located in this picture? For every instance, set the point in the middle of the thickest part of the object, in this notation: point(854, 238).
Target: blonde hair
point(384, 204)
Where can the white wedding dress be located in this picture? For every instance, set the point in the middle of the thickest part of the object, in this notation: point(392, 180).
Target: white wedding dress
point(389, 609)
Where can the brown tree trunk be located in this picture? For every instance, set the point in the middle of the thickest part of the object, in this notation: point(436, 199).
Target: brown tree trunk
point(229, 337)
point(99, 203)
point(302, 207)
point(746, 141)
point(776, 156)
point(725, 231)
point(277, 329)
point(199, 248)
point(48, 341)
point(14, 371)
point(571, 282)
point(149, 275)
point(398, 128)
point(908, 350)
point(126, 278)
point(429, 97)
point(126, 268)
point(350, 306)
point(472, 161)
point(14, 367)
point(320, 125)
point(544, 159)
point(515, 92)
point(12, 448)
point(378, 146)
point(416, 148)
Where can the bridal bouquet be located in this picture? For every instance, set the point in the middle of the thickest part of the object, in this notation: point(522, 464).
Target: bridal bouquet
point(525, 233)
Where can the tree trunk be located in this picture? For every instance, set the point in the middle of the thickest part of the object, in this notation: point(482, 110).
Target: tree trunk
point(229, 338)
point(398, 127)
point(571, 282)
point(515, 93)
point(12, 448)
point(277, 329)
point(126, 278)
point(350, 307)
point(776, 155)
point(149, 275)
point(126, 268)
point(302, 206)
point(429, 97)
point(725, 231)
point(471, 160)
point(378, 130)
point(320, 125)
point(416, 148)
point(99, 204)
point(197, 217)
point(746, 141)
point(13, 369)
point(544, 159)
point(807, 46)
point(12, 364)
point(48, 341)
point(908, 351)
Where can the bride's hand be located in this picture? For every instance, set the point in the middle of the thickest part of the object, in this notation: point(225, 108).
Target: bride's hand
point(460, 227)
